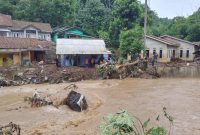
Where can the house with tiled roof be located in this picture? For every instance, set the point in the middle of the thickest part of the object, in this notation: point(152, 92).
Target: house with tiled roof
point(23, 51)
point(22, 42)
point(24, 29)
point(168, 47)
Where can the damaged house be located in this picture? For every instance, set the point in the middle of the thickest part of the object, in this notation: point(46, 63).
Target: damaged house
point(75, 47)
point(23, 51)
point(23, 42)
point(81, 52)
point(168, 47)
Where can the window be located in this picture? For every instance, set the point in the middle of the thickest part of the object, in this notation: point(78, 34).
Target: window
point(147, 53)
point(154, 50)
point(174, 53)
point(181, 53)
point(3, 34)
point(27, 35)
point(160, 55)
point(187, 54)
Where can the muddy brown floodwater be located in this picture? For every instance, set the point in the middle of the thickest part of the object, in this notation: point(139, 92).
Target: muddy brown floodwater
point(141, 97)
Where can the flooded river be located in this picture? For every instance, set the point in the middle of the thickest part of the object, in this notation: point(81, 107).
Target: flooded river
point(141, 97)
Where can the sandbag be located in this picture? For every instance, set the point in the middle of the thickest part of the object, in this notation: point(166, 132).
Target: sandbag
point(76, 101)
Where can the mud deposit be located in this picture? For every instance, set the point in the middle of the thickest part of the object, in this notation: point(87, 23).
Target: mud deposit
point(141, 97)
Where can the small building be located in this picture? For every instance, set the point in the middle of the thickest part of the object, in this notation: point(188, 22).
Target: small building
point(72, 32)
point(168, 47)
point(22, 51)
point(81, 52)
point(24, 29)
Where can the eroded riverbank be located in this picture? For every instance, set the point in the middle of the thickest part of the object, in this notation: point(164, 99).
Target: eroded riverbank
point(141, 97)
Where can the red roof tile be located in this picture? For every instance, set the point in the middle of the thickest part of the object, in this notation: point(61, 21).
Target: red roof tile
point(19, 25)
point(25, 43)
point(5, 20)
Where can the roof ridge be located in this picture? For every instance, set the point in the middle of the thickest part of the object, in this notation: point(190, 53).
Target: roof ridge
point(29, 21)
point(162, 40)
point(175, 38)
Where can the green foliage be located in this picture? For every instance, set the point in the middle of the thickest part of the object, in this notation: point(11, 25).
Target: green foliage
point(106, 70)
point(117, 124)
point(105, 36)
point(55, 12)
point(180, 27)
point(131, 41)
point(6, 7)
point(123, 124)
point(93, 17)
point(157, 131)
point(125, 14)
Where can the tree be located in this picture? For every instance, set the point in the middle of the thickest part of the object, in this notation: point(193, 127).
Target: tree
point(131, 41)
point(125, 14)
point(105, 36)
point(6, 7)
point(93, 17)
point(55, 12)
point(194, 33)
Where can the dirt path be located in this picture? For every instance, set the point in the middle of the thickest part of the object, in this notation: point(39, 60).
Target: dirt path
point(141, 97)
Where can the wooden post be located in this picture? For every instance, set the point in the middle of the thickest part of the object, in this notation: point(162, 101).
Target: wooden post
point(20, 58)
point(145, 26)
point(29, 56)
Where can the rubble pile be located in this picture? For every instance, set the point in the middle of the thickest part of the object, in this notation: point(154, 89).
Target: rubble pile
point(107, 71)
point(137, 69)
point(68, 96)
point(177, 60)
point(38, 74)
point(10, 129)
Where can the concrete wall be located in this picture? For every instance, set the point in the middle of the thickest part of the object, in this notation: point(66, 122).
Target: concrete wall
point(168, 50)
point(184, 46)
point(6, 59)
point(16, 59)
point(179, 72)
point(154, 45)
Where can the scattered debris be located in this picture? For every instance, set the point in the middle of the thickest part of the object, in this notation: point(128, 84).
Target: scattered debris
point(50, 73)
point(37, 101)
point(10, 129)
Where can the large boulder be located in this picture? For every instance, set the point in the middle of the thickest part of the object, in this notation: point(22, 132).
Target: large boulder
point(76, 101)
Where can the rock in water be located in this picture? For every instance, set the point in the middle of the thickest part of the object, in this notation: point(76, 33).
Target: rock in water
point(76, 101)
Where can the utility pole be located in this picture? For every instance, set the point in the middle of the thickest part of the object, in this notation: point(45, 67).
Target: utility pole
point(145, 24)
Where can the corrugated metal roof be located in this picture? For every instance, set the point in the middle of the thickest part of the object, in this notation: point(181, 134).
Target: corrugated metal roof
point(81, 46)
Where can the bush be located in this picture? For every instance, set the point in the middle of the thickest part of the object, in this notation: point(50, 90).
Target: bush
point(123, 124)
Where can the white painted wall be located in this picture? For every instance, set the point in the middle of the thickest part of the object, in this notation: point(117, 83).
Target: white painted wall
point(154, 45)
point(184, 46)
point(168, 50)
point(24, 34)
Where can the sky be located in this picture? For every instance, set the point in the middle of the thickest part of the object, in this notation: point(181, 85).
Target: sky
point(173, 8)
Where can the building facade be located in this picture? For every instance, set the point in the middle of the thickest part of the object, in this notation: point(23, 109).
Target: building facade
point(81, 52)
point(24, 29)
point(23, 51)
point(168, 47)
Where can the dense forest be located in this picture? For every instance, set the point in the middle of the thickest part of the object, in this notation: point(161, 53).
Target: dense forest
point(118, 22)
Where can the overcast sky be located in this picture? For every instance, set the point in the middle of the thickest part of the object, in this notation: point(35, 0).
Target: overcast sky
point(172, 8)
